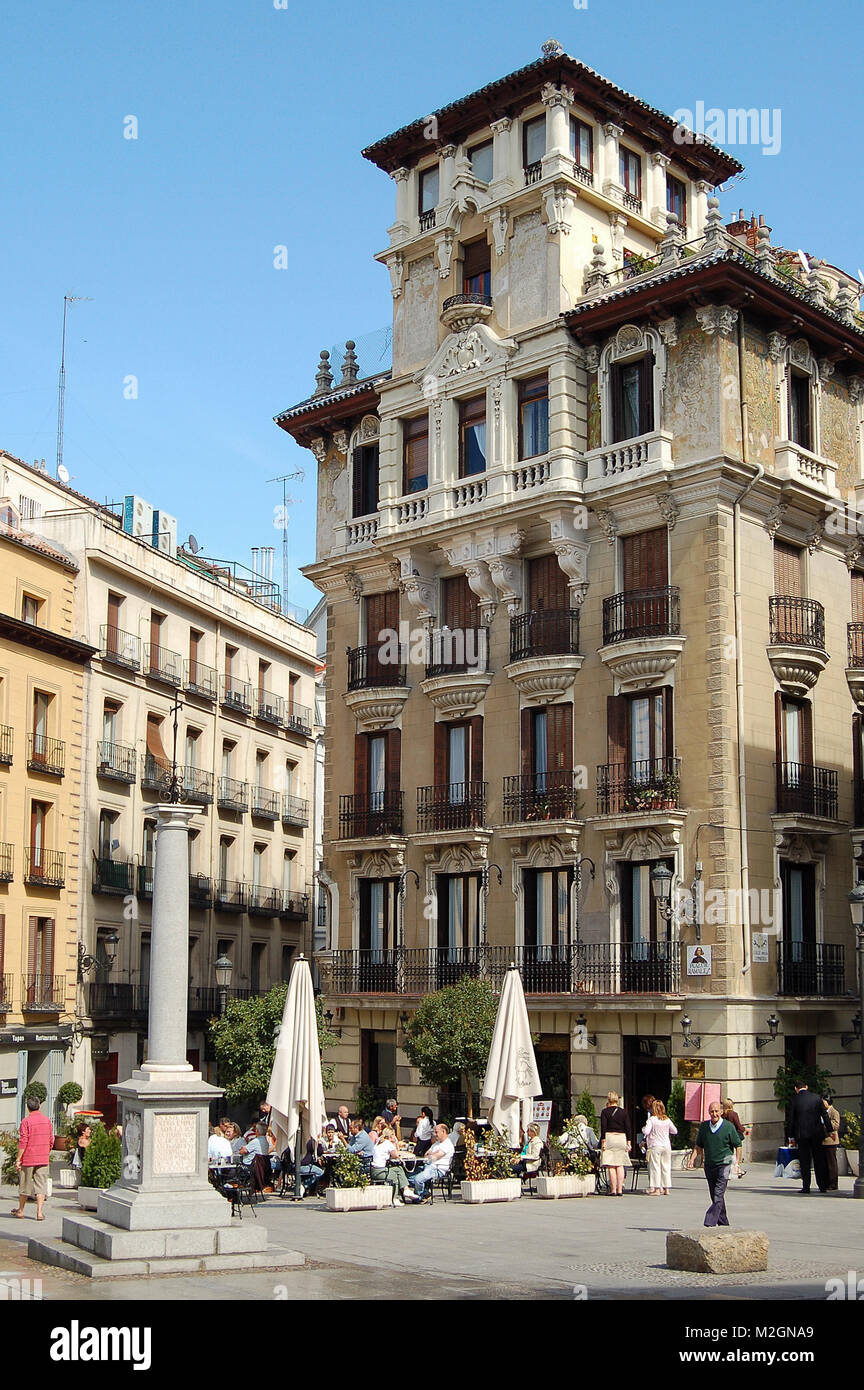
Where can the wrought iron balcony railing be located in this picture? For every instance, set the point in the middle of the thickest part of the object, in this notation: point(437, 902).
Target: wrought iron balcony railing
point(364, 817)
point(119, 647)
point(366, 670)
point(453, 651)
point(797, 622)
point(646, 784)
point(204, 1000)
point(116, 762)
point(155, 773)
point(456, 806)
point(196, 784)
point(200, 680)
point(114, 876)
point(265, 803)
point(162, 665)
point(806, 790)
point(200, 892)
point(44, 867)
point(542, 796)
point(855, 640)
point(116, 999)
point(230, 896)
point(298, 718)
point(236, 695)
point(294, 906)
point(810, 967)
point(269, 708)
point(641, 613)
point(46, 755)
point(7, 853)
point(44, 994)
point(263, 902)
point(295, 811)
point(427, 220)
point(585, 969)
point(469, 297)
point(7, 740)
point(232, 795)
point(544, 632)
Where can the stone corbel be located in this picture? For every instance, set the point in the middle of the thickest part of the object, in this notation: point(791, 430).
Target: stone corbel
point(444, 251)
point(853, 555)
point(396, 266)
point(608, 525)
point(354, 585)
point(320, 446)
point(668, 508)
point(592, 357)
point(774, 519)
point(505, 568)
point(499, 221)
point(559, 202)
point(717, 318)
point(340, 442)
point(480, 583)
point(816, 537)
point(777, 345)
point(826, 370)
point(668, 330)
point(856, 389)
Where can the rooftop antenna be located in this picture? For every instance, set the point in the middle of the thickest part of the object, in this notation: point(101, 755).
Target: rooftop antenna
point(287, 501)
point(61, 393)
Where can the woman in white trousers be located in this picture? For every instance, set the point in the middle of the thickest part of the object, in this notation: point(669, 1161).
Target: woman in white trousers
point(658, 1139)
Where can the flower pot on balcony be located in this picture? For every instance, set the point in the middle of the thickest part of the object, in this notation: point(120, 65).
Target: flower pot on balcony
point(372, 1198)
point(491, 1190)
point(567, 1185)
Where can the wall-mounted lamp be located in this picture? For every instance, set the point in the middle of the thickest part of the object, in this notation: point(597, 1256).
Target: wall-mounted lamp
point(855, 1036)
point(403, 1021)
point(687, 1036)
point(109, 942)
point(328, 1020)
point(581, 1031)
point(773, 1025)
point(688, 908)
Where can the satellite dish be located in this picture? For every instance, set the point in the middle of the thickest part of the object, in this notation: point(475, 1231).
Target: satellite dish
point(63, 473)
point(193, 545)
point(805, 264)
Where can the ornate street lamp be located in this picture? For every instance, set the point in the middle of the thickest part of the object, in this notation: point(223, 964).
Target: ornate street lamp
point(856, 908)
point(223, 968)
point(688, 1037)
point(773, 1025)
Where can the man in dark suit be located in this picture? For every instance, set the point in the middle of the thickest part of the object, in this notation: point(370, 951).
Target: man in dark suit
point(343, 1122)
point(807, 1128)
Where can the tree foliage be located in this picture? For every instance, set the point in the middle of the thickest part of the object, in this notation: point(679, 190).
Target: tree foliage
point(244, 1044)
point(449, 1036)
point(815, 1078)
point(675, 1111)
point(102, 1162)
point(585, 1106)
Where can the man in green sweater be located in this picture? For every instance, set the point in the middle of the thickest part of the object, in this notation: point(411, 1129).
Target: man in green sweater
point(719, 1142)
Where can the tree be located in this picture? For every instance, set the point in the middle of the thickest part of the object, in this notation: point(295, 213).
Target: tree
point(244, 1044)
point(585, 1106)
point(814, 1078)
point(450, 1034)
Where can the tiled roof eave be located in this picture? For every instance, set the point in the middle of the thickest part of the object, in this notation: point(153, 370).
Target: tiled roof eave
point(331, 398)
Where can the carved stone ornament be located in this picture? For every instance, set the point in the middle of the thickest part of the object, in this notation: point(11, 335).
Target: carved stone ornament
point(472, 350)
point(668, 508)
point(340, 442)
point(497, 386)
point(629, 339)
point(592, 357)
point(354, 585)
point(774, 519)
point(558, 202)
point(444, 251)
point(320, 446)
point(370, 427)
point(815, 538)
point(777, 345)
point(551, 95)
point(717, 318)
point(480, 583)
point(853, 554)
point(420, 594)
point(800, 354)
point(396, 266)
point(826, 369)
point(668, 330)
point(856, 389)
point(499, 221)
point(608, 525)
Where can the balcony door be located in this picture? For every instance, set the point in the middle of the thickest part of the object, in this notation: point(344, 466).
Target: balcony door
point(458, 898)
point(547, 585)
point(39, 811)
point(40, 959)
point(546, 928)
point(632, 386)
point(640, 747)
point(646, 961)
point(799, 963)
point(381, 617)
point(458, 771)
point(547, 761)
point(376, 780)
point(794, 736)
point(378, 900)
point(41, 716)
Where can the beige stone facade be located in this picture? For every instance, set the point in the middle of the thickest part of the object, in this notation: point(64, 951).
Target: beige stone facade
point(657, 563)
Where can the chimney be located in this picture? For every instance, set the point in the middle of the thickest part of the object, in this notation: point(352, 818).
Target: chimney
point(747, 229)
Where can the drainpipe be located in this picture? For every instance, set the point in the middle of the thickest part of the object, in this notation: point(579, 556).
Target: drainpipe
point(739, 659)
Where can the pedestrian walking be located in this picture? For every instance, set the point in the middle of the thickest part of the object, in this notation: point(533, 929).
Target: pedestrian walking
point(35, 1137)
point(658, 1132)
point(615, 1143)
point(719, 1143)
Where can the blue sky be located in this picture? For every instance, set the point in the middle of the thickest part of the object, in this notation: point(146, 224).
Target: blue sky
point(250, 124)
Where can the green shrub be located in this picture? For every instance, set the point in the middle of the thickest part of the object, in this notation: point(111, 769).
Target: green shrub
point(572, 1159)
point(794, 1072)
point(852, 1137)
point(675, 1111)
point(36, 1090)
point(348, 1170)
point(9, 1147)
point(69, 1094)
point(585, 1106)
point(103, 1160)
point(371, 1100)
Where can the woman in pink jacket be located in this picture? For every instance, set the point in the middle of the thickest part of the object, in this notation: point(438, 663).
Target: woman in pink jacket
point(658, 1138)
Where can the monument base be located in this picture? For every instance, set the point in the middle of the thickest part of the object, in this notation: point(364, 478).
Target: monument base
point(139, 1254)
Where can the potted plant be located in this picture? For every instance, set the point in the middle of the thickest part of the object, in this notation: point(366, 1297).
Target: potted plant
point(101, 1167)
point(573, 1173)
point(352, 1190)
point(35, 1089)
point(490, 1178)
point(68, 1095)
point(851, 1140)
point(670, 788)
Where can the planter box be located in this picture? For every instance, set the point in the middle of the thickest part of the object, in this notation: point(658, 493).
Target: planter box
point(568, 1185)
point(492, 1190)
point(852, 1160)
point(88, 1197)
point(373, 1198)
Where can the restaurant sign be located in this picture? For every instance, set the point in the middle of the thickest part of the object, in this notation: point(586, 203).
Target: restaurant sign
point(36, 1037)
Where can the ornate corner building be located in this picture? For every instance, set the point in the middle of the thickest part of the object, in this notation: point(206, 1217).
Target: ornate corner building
point(586, 561)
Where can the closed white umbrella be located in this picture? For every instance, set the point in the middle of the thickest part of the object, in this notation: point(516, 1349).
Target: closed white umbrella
point(512, 1080)
point(296, 1091)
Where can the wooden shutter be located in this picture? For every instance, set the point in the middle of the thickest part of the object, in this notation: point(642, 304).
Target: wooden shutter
point(48, 946)
point(547, 584)
point(787, 570)
point(806, 733)
point(559, 736)
point(31, 945)
point(526, 739)
point(475, 726)
point(645, 560)
point(357, 483)
point(440, 755)
point(2, 946)
point(364, 894)
point(382, 611)
point(617, 709)
point(646, 394)
point(361, 766)
point(668, 726)
point(460, 608)
point(114, 602)
point(857, 579)
point(392, 761)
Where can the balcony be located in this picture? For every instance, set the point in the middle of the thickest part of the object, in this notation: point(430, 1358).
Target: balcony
point(427, 220)
point(115, 876)
point(298, 720)
point(116, 762)
point(810, 967)
point(43, 994)
point(162, 665)
point(461, 311)
point(5, 994)
point(641, 636)
point(543, 796)
point(295, 811)
point(115, 999)
point(44, 868)
point(377, 689)
point(632, 203)
point(796, 647)
point(585, 970)
point(457, 806)
point(196, 785)
point(6, 859)
point(544, 652)
point(457, 674)
point(533, 172)
point(236, 696)
point(804, 790)
point(46, 755)
point(155, 774)
point(229, 896)
point(631, 460)
point(200, 680)
point(7, 739)
point(144, 881)
point(855, 666)
point(205, 1002)
point(364, 818)
point(800, 466)
point(294, 908)
point(263, 902)
point(646, 784)
point(265, 803)
point(269, 708)
point(119, 648)
point(200, 894)
point(232, 795)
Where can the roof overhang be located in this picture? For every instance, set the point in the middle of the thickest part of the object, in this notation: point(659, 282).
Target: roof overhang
point(335, 409)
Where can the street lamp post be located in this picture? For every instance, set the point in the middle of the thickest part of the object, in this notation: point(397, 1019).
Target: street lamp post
point(856, 907)
point(223, 968)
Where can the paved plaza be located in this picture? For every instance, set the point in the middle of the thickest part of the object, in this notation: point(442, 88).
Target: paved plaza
point(594, 1248)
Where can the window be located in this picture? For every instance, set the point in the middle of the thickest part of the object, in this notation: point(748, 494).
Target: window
point(676, 200)
point(225, 843)
point(546, 741)
point(364, 480)
point(788, 575)
point(258, 852)
point(290, 779)
point(481, 161)
point(377, 913)
point(377, 772)
point(534, 417)
point(41, 716)
point(477, 268)
point(227, 758)
point(39, 813)
point(646, 733)
point(428, 190)
point(260, 770)
point(156, 621)
point(472, 437)
point(107, 842)
point(30, 509)
point(415, 454)
point(632, 398)
point(646, 936)
point(195, 639)
point(630, 172)
point(287, 958)
point(156, 755)
point(582, 144)
point(30, 607)
point(109, 728)
point(287, 871)
point(192, 737)
point(257, 966)
point(798, 887)
point(41, 951)
point(144, 960)
point(458, 914)
point(800, 428)
point(533, 142)
point(148, 846)
point(640, 747)
point(547, 906)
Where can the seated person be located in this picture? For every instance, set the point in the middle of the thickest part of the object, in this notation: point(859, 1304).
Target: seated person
point(528, 1161)
point(360, 1142)
point(218, 1147)
point(234, 1135)
point(382, 1152)
point(258, 1147)
point(390, 1115)
point(332, 1138)
point(311, 1171)
point(438, 1161)
point(582, 1136)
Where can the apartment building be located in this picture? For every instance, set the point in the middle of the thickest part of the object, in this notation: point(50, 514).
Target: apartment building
point(599, 500)
point(195, 669)
point(42, 671)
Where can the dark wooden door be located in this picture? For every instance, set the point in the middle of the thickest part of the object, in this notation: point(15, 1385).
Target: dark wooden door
point(105, 1075)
